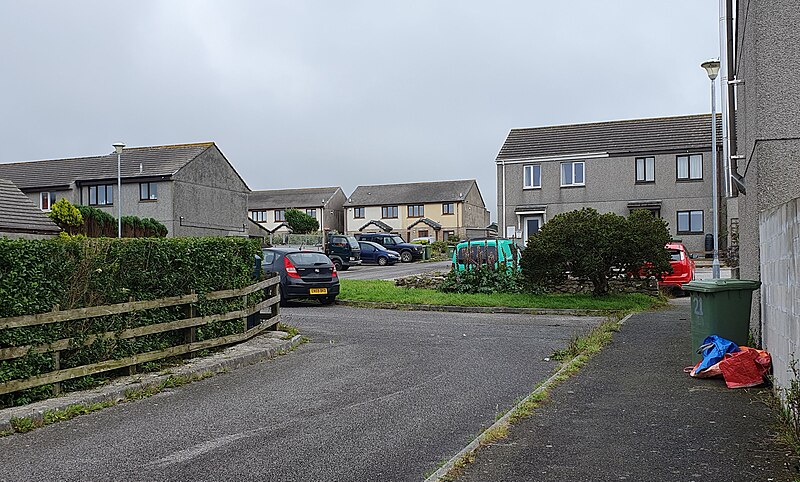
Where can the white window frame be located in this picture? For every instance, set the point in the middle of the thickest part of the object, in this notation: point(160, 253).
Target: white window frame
point(532, 168)
point(51, 197)
point(648, 166)
point(259, 215)
point(573, 164)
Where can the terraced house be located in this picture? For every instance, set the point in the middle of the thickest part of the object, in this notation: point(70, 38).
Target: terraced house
point(267, 208)
point(191, 188)
point(437, 210)
point(659, 164)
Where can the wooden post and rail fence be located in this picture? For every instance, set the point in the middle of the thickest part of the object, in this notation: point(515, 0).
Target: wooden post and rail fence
point(267, 312)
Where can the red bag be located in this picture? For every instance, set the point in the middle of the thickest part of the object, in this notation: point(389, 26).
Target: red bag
point(745, 368)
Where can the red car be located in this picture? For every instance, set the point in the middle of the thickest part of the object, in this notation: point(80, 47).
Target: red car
point(682, 267)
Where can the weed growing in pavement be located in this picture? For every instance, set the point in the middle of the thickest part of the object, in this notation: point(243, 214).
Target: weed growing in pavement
point(290, 330)
point(789, 412)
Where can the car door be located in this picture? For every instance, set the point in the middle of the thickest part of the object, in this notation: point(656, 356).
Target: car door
point(367, 252)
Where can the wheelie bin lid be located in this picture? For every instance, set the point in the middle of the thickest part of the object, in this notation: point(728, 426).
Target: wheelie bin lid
point(717, 285)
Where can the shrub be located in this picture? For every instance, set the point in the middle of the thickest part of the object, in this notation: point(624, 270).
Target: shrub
point(588, 245)
point(300, 222)
point(482, 280)
point(67, 216)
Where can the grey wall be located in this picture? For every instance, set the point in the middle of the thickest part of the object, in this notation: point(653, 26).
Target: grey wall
point(610, 186)
point(160, 209)
point(475, 213)
point(334, 212)
point(210, 197)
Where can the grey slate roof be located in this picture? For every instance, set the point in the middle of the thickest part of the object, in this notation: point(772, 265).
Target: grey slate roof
point(19, 215)
point(155, 161)
point(411, 193)
point(378, 224)
point(691, 132)
point(429, 222)
point(290, 198)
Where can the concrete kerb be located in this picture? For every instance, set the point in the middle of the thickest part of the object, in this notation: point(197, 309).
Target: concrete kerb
point(469, 309)
point(503, 421)
point(260, 348)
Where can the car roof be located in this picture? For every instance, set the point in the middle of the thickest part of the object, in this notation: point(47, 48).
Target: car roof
point(372, 243)
point(283, 250)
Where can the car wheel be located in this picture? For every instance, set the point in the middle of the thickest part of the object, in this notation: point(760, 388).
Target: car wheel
point(337, 264)
point(327, 300)
point(382, 261)
point(344, 268)
point(406, 257)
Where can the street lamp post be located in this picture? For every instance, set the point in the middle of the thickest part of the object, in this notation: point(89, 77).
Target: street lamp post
point(118, 146)
point(712, 69)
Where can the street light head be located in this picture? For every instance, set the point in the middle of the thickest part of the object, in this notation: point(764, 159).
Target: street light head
point(118, 147)
point(712, 68)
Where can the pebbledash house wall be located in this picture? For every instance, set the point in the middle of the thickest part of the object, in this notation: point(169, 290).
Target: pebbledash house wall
point(610, 185)
point(768, 136)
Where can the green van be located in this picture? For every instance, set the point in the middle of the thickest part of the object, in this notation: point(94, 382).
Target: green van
point(486, 252)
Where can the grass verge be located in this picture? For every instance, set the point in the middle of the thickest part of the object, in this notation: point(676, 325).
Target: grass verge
point(575, 356)
point(386, 292)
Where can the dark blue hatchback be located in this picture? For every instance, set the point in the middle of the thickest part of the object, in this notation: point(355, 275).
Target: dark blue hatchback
point(377, 254)
point(304, 274)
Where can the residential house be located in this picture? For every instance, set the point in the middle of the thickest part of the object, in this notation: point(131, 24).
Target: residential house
point(20, 218)
point(439, 210)
point(659, 164)
point(191, 188)
point(766, 145)
point(324, 204)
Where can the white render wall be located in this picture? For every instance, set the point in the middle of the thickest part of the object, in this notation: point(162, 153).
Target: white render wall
point(372, 213)
point(779, 231)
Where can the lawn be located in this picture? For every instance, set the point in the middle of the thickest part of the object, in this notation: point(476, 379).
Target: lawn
point(387, 292)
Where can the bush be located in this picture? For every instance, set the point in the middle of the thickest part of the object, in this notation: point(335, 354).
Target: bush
point(300, 222)
point(588, 245)
point(67, 216)
point(482, 280)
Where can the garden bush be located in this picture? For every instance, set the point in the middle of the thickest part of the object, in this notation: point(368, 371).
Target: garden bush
point(482, 280)
point(300, 222)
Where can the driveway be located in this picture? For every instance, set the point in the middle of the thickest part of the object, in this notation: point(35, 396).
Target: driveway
point(375, 395)
point(399, 270)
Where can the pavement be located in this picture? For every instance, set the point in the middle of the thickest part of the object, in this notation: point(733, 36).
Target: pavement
point(399, 270)
point(632, 414)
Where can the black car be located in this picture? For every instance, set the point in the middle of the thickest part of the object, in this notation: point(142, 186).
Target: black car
point(408, 252)
point(304, 274)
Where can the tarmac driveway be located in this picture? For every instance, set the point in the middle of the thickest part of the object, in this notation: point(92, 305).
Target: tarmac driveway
point(375, 395)
point(399, 270)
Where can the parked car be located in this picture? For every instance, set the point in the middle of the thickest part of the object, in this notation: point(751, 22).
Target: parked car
point(343, 250)
point(375, 253)
point(304, 274)
point(408, 252)
point(423, 240)
point(682, 267)
point(486, 252)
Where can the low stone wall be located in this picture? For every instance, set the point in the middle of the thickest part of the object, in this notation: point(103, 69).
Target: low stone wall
point(428, 280)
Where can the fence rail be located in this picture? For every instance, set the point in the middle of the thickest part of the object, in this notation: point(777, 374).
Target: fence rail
point(267, 311)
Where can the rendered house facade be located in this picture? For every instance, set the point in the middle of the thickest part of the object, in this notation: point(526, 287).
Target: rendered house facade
point(660, 164)
point(267, 208)
point(191, 188)
point(438, 210)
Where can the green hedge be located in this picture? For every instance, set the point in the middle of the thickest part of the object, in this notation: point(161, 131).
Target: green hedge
point(36, 275)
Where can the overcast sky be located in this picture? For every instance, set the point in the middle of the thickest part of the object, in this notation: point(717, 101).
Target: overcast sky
point(306, 94)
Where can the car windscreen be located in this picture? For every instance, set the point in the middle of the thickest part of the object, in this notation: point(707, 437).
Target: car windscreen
point(353, 242)
point(675, 255)
point(308, 259)
point(397, 239)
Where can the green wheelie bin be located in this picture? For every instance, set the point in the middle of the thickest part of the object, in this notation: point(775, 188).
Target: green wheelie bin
point(720, 307)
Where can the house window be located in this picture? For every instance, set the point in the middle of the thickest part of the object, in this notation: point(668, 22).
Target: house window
point(101, 195)
point(572, 174)
point(279, 215)
point(312, 212)
point(690, 168)
point(389, 212)
point(448, 208)
point(46, 200)
point(148, 191)
point(358, 213)
point(259, 216)
point(645, 169)
point(447, 235)
point(690, 222)
point(416, 210)
point(533, 176)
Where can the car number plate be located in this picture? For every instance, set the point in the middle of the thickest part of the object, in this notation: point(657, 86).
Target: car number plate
point(318, 291)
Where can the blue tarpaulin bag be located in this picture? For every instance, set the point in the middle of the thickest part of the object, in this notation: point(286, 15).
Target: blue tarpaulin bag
point(713, 350)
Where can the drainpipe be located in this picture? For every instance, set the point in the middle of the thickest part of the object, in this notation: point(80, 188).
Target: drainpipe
point(723, 70)
point(503, 233)
point(731, 90)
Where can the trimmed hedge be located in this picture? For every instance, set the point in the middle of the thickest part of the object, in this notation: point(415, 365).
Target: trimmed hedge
point(98, 223)
point(36, 275)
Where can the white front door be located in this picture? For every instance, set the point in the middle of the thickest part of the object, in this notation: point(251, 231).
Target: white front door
point(531, 225)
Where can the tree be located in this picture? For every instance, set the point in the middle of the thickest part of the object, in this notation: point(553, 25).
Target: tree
point(300, 222)
point(67, 216)
point(588, 245)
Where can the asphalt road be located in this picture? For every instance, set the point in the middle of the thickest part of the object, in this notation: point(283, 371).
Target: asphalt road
point(376, 395)
point(399, 270)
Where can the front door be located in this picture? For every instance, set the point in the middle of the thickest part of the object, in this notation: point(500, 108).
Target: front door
point(531, 225)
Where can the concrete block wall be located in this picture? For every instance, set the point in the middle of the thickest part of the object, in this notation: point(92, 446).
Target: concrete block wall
point(779, 231)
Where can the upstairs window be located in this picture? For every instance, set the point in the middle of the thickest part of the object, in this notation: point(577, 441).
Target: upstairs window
point(279, 215)
point(101, 195)
point(312, 212)
point(645, 169)
point(389, 212)
point(148, 191)
point(572, 174)
point(448, 208)
point(690, 168)
point(259, 216)
point(416, 210)
point(358, 213)
point(46, 200)
point(532, 176)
